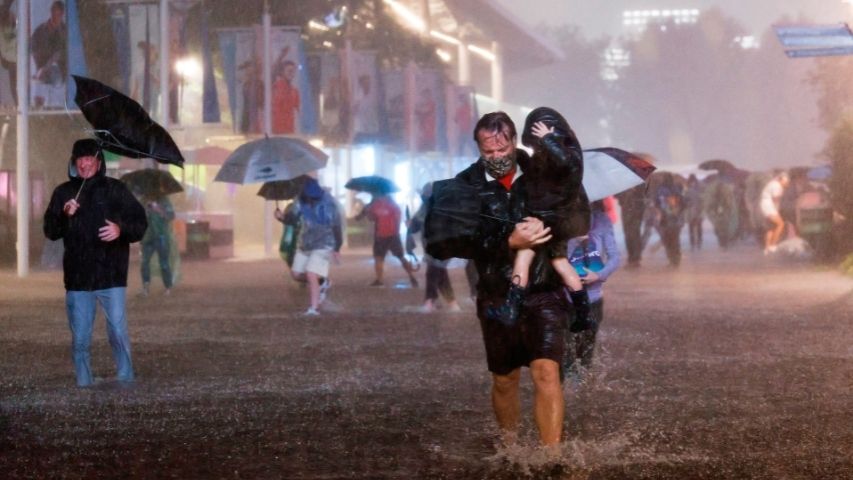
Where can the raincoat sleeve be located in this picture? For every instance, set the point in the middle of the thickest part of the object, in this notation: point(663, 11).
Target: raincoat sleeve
point(565, 158)
point(613, 259)
point(337, 229)
point(133, 221)
point(55, 222)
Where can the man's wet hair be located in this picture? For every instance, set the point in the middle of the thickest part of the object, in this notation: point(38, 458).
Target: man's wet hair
point(495, 122)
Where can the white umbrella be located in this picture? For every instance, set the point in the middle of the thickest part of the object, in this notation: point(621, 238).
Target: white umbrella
point(608, 171)
point(269, 159)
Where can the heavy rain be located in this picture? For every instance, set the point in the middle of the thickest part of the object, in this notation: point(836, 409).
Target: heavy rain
point(298, 239)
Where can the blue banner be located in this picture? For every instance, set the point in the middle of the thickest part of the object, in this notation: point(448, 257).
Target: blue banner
point(228, 52)
point(76, 53)
point(210, 101)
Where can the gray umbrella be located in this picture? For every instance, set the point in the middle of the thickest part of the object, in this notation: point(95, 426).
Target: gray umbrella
point(268, 159)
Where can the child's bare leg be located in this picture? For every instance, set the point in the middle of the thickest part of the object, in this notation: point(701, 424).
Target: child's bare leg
point(580, 298)
point(521, 266)
point(568, 273)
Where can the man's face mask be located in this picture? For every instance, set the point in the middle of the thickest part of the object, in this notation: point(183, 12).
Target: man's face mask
point(499, 167)
point(498, 153)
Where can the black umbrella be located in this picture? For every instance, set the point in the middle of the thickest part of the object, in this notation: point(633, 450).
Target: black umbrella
point(122, 125)
point(282, 189)
point(372, 184)
point(717, 164)
point(453, 220)
point(152, 183)
point(725, 168)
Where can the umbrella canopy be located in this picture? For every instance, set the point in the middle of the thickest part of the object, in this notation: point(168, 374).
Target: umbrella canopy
point(269, 159)
point(152, 183)
point(122, 125)
point(717, 164)
point(725, 168)
point(282, 189)
point(608, 171)
point(453, 219)
point(372, 184)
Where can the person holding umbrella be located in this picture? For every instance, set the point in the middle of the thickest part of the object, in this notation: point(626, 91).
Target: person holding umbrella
point(490, 188)
point(97, 218)
point(386, 215)
point(319, 241)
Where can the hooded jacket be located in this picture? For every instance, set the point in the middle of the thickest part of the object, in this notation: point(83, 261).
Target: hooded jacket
point(556, 169)
point(500, 211)
point(88, 262)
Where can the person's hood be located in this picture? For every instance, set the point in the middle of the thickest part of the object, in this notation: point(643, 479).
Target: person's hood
point(82, 148)
point(311, 190)
point(549, 117)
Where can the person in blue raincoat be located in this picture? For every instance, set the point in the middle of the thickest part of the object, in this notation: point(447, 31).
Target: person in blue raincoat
point(595, 257)
point(319, 240)
point(97, 218)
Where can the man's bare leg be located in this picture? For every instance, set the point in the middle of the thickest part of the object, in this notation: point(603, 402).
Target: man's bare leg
point(506, 404)
point(548, 403)
point(313, 289)
point(379, 268)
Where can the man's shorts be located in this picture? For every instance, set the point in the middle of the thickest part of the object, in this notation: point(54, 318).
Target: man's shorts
point(314, 261)
point(383, 245)
point(539, 332)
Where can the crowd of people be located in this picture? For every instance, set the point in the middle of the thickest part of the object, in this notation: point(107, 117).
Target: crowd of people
point(538, 251)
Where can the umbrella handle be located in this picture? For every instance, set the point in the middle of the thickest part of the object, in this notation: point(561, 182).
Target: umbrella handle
point(79, 190)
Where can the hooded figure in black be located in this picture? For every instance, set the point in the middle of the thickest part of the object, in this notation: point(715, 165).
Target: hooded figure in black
point(97, 219)
point(555, 195)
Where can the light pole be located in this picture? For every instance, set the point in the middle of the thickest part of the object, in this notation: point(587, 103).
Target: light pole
point(23, 161)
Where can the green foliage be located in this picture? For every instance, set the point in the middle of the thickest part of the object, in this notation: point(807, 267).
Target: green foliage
point(839, 151)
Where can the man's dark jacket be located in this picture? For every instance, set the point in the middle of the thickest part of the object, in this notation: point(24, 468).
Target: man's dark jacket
point(499, 211)
point(90, 263)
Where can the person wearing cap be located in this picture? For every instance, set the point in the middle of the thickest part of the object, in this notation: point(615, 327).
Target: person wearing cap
point(97, 218)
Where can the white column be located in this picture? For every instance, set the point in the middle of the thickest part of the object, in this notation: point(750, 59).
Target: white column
point(464, 66)
point(267, 61)
point(164, 63)
point(497, 74)
point(23, 162)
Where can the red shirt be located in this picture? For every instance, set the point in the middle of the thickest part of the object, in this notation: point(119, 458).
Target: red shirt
point(387, 215)
point(507, 179)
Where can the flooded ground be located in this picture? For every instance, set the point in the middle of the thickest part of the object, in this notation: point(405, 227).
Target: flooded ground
point(734, 366)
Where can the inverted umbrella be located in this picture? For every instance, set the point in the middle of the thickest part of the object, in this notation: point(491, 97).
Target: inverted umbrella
point(372, 184)
point(608, 171)
point(269, 159)
point(282, 189)
point(152, 183)
point(453, 220)
point(122, 125)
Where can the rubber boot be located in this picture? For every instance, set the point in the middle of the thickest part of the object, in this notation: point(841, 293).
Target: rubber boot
point(583, 320)
point(507, 313)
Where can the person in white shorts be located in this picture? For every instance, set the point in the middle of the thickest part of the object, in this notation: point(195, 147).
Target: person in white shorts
point(771, 195)
point(319, 241)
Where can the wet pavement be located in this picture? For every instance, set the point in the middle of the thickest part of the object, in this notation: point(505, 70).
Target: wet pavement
point(733, 366)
